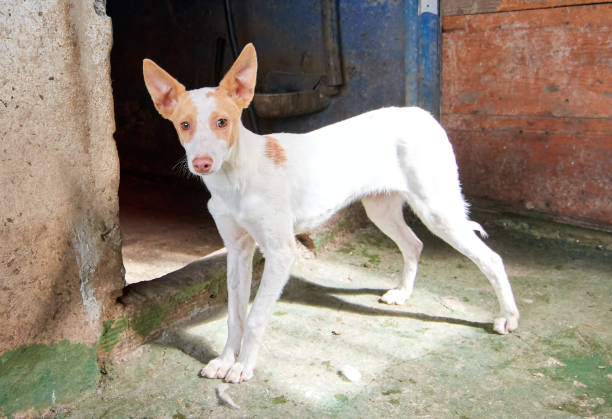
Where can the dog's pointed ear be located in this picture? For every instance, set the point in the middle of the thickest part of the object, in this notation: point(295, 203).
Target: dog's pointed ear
point(163, 88)
point(239, 82)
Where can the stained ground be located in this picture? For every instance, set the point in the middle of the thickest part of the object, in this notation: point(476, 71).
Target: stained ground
point(435, 356)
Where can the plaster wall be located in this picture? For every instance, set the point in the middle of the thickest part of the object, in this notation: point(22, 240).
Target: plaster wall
point(60, 256)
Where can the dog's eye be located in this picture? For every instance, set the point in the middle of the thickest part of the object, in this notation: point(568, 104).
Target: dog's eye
point(185, 125)
point(221, 123)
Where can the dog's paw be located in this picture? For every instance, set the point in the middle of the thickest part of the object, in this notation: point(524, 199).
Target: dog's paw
point(239, 373)
point(395, 296)
point(217, 368)
point(506, 323)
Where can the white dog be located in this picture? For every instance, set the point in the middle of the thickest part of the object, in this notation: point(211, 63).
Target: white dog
point(266, 189)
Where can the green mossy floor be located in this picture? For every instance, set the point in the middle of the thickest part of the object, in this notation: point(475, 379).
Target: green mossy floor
point(435, 356)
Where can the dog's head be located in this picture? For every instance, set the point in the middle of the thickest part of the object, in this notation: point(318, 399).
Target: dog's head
point(207, 120)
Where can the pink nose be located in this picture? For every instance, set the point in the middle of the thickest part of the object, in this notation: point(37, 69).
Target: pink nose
point(202, 164)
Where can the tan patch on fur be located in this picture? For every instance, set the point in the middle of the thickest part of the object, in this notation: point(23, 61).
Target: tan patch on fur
point(185, 111)
point(274, 151)
point(171, 99)
point(226, 109)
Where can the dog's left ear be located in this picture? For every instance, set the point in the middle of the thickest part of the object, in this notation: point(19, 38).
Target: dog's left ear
point(239, 82)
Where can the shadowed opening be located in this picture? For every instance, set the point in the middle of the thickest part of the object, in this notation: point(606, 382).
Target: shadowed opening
point(164, 221)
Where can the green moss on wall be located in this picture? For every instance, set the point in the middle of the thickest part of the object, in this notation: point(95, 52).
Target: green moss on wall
point(40, 376)
point(190, 291)
point(147, 321)
point(151, 319)
point(110, 333)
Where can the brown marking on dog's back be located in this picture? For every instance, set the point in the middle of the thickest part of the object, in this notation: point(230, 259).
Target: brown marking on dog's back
point(274, 151)
point(226, 109)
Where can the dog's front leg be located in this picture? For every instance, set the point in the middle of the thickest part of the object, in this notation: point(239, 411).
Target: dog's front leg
point(276, 273)
point(239, 274)
point(240, 248)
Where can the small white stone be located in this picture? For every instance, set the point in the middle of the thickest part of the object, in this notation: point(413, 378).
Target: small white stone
point(350, 373)
point(224, 397)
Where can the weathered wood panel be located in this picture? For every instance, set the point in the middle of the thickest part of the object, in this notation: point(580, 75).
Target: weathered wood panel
point(527, 101)
point(470, 7)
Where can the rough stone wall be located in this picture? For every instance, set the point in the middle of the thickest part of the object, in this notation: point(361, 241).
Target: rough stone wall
point(60, 258)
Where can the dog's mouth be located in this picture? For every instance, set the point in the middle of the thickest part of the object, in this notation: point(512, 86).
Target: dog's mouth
point(210, 171)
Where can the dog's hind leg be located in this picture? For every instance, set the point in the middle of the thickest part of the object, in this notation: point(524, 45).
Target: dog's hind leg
point(385, 211)
point(450, 223)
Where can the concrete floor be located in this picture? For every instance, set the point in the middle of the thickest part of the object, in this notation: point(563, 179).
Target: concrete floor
point(435, 356)
point(164, 226)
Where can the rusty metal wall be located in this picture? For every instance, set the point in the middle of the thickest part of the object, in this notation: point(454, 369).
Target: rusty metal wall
point(526, 100)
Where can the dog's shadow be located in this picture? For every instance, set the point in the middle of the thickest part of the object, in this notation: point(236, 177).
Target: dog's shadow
point(302, 291)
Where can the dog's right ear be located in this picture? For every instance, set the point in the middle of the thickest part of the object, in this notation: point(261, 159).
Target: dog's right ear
point(163, 88)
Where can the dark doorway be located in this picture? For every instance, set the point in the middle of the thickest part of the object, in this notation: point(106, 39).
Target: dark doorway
point(164, 220)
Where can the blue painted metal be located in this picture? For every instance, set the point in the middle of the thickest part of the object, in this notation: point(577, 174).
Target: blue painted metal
point(380, 52)
point(429, 57)
point(331, 41)
point(411, 52)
